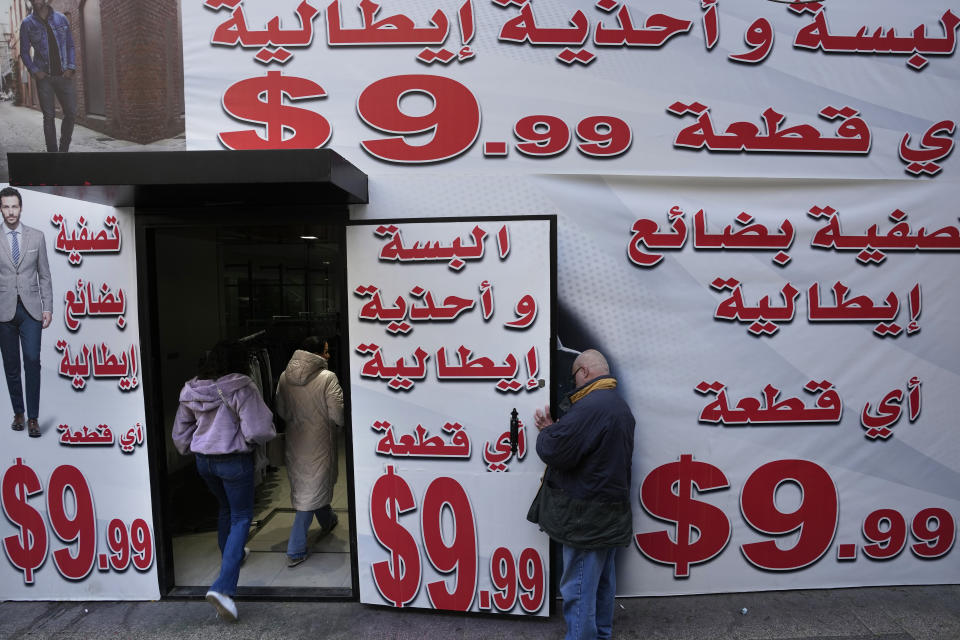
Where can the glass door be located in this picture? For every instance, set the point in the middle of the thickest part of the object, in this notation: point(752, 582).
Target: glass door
point(270, 286)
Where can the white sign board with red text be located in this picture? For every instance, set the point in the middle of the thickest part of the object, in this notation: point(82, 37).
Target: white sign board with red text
point(78, 522)
point(657, 88)
point(789, 353)
point(735, 359)
point(449, 333)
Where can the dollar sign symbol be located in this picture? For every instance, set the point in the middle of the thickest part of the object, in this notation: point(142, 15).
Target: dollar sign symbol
point(667, 494)
point(28, 549)
point(260, 100)
point(398, 579)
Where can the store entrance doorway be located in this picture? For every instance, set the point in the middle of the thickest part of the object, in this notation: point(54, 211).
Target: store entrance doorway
point(270, 286)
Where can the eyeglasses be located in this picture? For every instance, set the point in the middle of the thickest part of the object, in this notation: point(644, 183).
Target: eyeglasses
point(575, 372)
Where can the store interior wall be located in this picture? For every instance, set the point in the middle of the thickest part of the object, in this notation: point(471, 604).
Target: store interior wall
point(188, 299)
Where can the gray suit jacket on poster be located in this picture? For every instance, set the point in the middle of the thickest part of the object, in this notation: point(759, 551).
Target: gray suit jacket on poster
point(29, 279)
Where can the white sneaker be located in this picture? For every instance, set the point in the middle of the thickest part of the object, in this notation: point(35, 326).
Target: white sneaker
point(225, 606)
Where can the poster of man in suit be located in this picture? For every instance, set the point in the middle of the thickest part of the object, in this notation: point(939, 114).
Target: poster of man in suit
point(26, 302)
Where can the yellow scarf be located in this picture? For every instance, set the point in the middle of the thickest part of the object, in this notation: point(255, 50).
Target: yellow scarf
point(602, 383)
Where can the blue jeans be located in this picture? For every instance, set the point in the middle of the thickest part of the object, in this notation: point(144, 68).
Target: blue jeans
point(588, 586)
point(297, 544)
point(23, 331)
point(230, 478)
point(65, 92)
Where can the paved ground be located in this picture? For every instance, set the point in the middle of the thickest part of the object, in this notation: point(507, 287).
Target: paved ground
point(21, 130)
point(884, 613)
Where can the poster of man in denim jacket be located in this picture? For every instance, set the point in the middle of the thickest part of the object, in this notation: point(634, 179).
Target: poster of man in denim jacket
point(53, 64)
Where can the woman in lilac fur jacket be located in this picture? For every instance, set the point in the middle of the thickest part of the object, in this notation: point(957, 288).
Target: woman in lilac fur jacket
point(221, 418)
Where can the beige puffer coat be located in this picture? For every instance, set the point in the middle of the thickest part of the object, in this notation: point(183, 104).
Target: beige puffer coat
point(310, 400)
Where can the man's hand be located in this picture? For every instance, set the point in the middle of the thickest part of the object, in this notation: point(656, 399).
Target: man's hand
point(41, 75)
point(69, 73)
point(47, 318)
point(542, 419)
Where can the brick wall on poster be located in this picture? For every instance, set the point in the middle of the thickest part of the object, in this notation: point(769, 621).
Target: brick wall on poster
point(142, 67)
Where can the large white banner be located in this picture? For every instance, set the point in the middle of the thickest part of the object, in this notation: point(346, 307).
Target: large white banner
point(78, 519)
point(756, 222)
point(786, 437)
point(449, 335)
point(792, 361)
point(732, 88)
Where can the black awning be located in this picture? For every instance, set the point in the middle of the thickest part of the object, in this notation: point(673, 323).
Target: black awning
point(194, 178)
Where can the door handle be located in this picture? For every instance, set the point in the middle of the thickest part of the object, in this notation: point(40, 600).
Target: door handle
point(514, 430)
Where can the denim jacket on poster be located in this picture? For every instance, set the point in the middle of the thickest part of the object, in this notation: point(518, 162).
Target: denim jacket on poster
point(34, 33)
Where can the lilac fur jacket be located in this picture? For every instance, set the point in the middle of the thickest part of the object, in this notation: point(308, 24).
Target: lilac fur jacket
point(205, 425)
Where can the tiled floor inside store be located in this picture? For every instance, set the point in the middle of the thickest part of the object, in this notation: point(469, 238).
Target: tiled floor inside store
point(197, 559)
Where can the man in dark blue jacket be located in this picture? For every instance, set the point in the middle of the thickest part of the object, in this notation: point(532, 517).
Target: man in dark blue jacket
point(52, 63)
point(589, 453)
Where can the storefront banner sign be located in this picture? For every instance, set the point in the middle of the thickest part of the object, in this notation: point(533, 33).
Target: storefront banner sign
point(756, 223)
point(78, 522)
point(732, 88)
point(450, 356)
point(788, 348)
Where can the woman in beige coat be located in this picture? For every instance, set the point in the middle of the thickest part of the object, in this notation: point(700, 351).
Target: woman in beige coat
point(310, 400)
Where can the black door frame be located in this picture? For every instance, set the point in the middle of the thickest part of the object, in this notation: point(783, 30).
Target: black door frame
point(146, 222)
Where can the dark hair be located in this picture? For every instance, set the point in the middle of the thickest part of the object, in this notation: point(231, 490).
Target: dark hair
point(313, 344)
point(6, 192)
point(227, 356)
point(332, 349)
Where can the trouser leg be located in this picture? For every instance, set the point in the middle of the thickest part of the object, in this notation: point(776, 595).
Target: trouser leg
point(578, 587)
point(236, 472)
point(606, 594)
point(10, 350)
point(66, 92)
point(324, 516)
point(48, 107)
point(205, 469)
point(30, 332)
point(297, 544)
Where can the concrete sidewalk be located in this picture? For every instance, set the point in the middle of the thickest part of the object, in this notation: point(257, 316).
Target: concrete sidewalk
point(21, 131)
point(885, 613)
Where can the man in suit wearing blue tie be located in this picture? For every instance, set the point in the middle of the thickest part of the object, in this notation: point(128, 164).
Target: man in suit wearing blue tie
point(26, 300)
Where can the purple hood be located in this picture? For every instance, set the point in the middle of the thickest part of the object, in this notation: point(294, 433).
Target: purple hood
point(204, 424)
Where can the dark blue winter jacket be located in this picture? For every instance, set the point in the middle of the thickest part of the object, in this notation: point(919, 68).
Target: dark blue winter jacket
point(589, 455)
